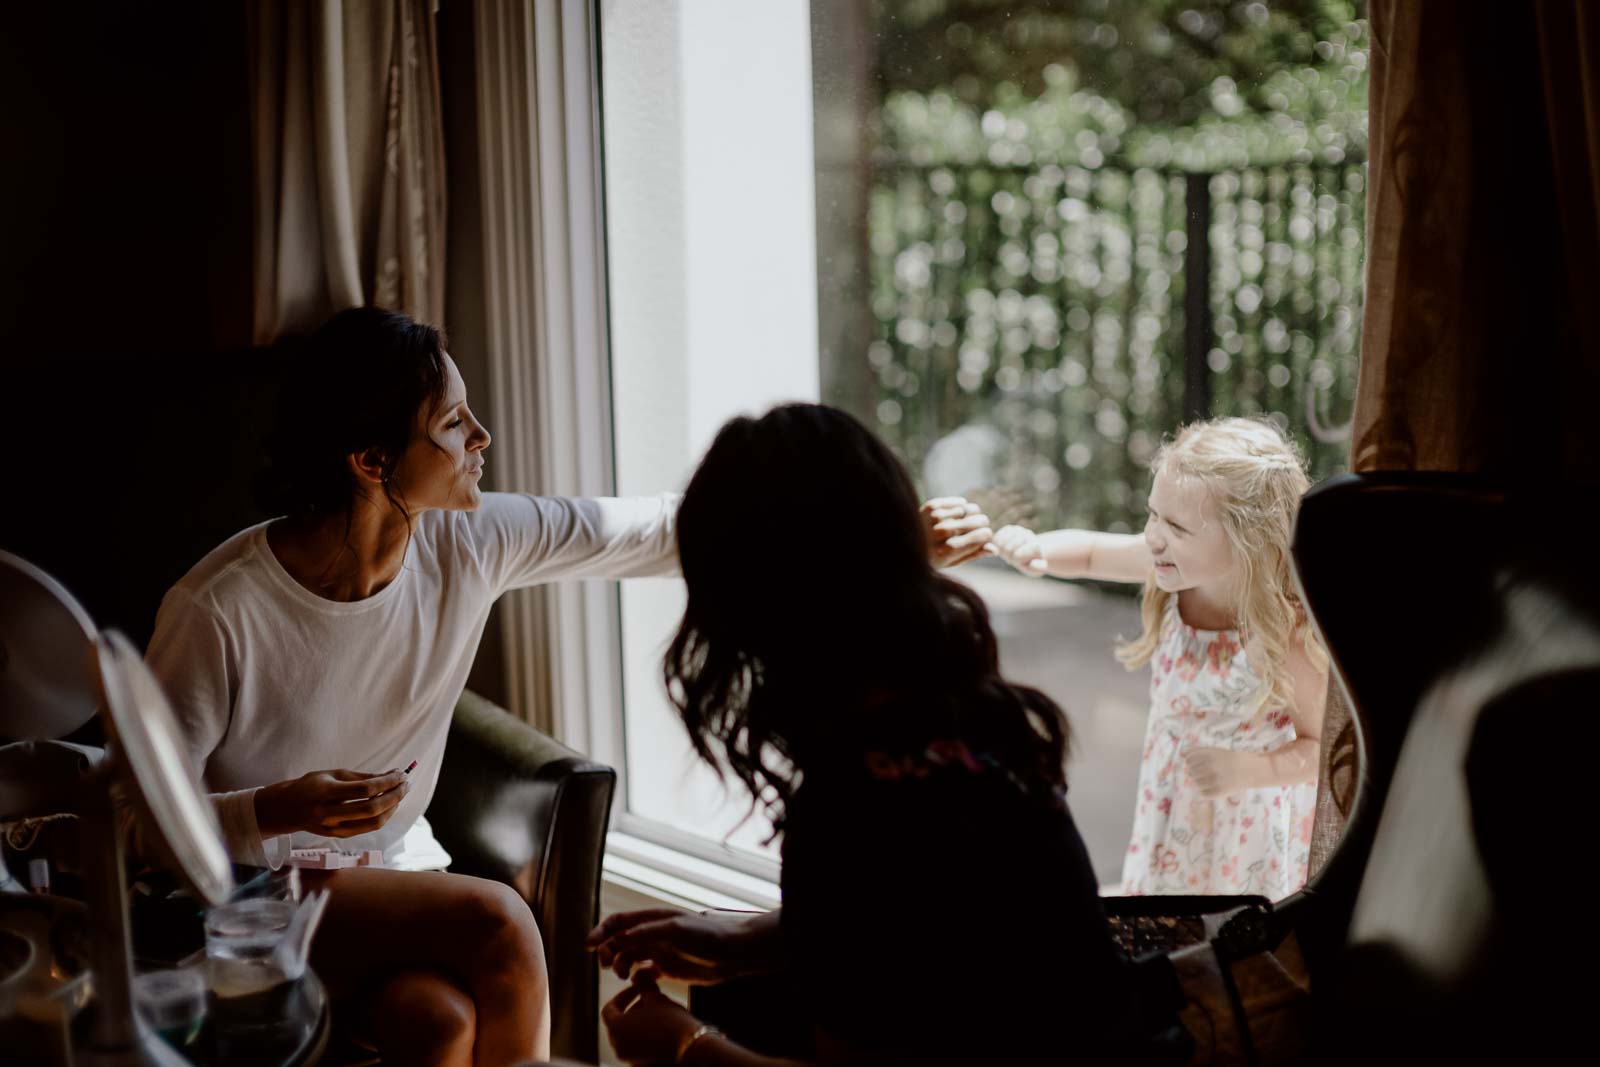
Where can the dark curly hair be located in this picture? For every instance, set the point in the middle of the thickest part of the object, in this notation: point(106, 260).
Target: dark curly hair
point(356, 384)
point(816, 628)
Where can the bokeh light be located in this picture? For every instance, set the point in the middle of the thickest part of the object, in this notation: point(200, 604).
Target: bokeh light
point(1028, 235)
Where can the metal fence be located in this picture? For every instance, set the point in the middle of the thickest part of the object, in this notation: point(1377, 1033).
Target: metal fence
point(1041, 329)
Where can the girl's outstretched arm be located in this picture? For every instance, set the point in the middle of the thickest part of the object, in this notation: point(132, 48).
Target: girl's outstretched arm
point(1107, 557)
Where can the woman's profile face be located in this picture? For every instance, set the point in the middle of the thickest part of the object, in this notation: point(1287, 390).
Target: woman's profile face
point(443, 464)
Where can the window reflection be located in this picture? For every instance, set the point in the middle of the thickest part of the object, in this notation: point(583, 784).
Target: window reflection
point(1049, 233)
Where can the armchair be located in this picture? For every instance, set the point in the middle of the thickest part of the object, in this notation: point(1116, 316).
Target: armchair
point(519, 807)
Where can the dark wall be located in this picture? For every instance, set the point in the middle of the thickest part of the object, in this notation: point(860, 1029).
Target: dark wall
point(125, 248)
point(125, 189)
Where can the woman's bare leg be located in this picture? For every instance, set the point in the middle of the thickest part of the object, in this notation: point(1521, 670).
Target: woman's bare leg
point(422, 1018)
point(480, 934)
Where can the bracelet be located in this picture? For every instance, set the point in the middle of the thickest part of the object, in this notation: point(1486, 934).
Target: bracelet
point(703, 1030)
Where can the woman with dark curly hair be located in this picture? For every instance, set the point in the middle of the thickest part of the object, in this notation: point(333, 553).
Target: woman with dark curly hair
point(938, 901)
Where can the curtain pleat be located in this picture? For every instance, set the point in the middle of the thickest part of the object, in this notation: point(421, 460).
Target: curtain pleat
point(349, 161)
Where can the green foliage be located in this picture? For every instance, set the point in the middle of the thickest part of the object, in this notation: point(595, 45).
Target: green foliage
point(1196, 85)
point(1027, 229)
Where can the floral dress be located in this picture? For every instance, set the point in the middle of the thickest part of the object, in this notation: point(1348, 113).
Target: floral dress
point(1255, 841)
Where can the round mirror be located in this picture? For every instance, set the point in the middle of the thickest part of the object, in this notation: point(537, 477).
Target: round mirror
point(44, 691)
point(158, 773)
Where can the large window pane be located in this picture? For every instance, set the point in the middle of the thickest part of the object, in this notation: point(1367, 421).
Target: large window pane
point(1022, 241)
point(1050, 233)
point(712, 279)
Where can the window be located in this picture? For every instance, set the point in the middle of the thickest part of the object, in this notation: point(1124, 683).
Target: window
point(1021, 240)
point(711, 253)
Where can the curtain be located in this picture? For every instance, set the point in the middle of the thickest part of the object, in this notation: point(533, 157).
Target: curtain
point(349, 161)
point(1480, 346)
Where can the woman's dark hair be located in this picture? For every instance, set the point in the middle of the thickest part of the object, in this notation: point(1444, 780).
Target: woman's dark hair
point(355, 384)
point(816, 628)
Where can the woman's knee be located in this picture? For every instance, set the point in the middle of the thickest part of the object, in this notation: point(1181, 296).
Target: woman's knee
point(506, 936)
point(425, 1015)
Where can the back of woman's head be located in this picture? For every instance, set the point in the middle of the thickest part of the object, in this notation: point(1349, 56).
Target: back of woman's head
point(811, 600)
point(800, 529)
point(356, 384)
point(1253, 477)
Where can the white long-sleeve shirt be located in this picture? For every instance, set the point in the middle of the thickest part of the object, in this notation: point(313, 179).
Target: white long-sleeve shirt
point(270, 681)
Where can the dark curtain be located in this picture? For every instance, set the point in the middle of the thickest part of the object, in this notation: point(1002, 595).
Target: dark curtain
point(1480, 346)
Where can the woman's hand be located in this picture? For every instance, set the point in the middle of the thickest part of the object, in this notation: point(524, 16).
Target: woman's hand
point(700, 949)
point(330, 803)
point(1020, 547)
point(646, 1026)
point(958, 530)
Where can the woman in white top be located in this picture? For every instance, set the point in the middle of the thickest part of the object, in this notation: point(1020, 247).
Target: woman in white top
point(312, 658)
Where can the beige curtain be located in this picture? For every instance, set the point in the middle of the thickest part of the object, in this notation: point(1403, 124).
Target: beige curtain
point(349, 161)
point(1480, 347)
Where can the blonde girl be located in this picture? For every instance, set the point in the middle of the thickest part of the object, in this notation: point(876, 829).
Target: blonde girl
point(1227, 779)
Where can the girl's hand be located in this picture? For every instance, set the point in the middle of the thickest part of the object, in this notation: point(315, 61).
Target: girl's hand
point(958, 530)
point(1218, 771)
point(668, 943)
point(1020, 547)
point(646, 1026)
point(330, 803)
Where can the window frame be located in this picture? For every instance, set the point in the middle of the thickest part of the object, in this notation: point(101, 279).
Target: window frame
point(547, 311)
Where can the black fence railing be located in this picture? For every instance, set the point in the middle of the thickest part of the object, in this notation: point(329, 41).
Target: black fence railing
point(1042, 328)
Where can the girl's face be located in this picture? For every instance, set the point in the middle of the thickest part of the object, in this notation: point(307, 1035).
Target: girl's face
point(1185, 537)
point(443, 464)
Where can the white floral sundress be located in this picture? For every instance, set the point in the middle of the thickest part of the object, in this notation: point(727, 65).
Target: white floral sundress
point(1254, 841)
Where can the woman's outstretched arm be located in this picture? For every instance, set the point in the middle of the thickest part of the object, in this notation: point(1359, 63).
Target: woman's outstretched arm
point(958, 530)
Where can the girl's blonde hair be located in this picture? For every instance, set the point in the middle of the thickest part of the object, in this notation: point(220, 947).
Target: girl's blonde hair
point(1255, 477)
